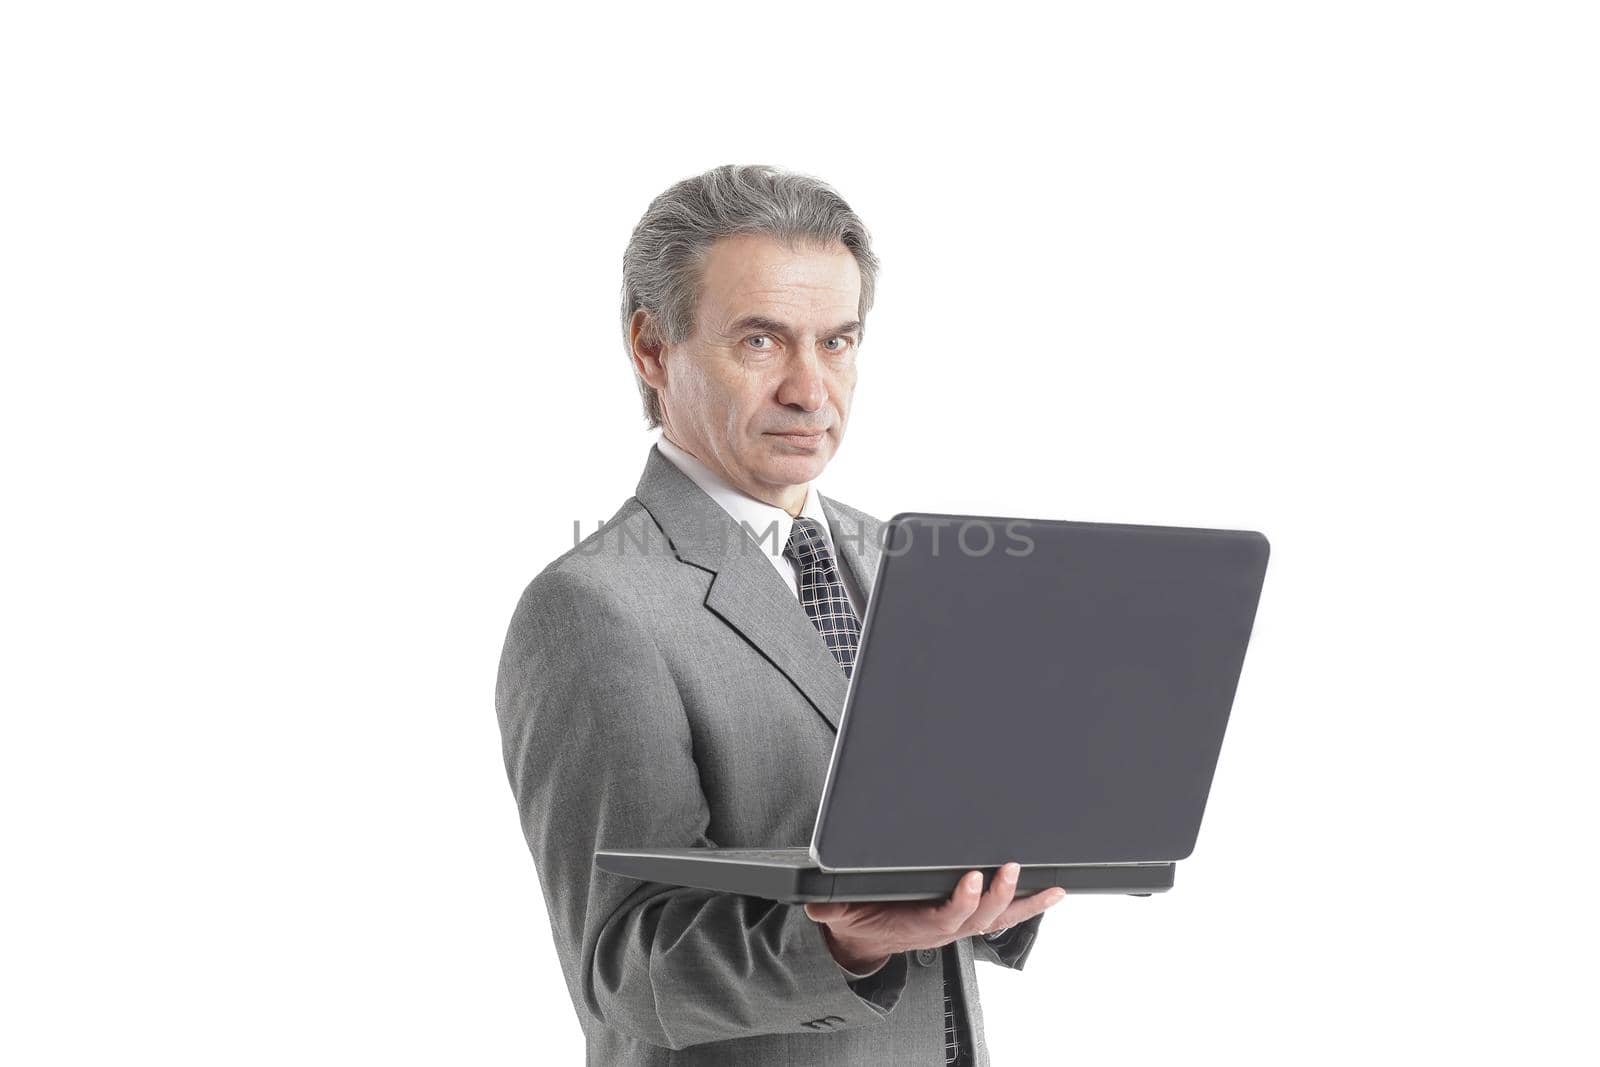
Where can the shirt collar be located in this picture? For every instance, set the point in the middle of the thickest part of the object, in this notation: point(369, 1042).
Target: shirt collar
point(757, 515)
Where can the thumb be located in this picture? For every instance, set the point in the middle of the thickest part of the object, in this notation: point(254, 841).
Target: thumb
point(825, 912)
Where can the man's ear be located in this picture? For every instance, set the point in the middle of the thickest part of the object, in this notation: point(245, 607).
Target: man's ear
point(644, 341)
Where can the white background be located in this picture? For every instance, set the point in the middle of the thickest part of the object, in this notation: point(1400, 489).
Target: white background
point(311, 360)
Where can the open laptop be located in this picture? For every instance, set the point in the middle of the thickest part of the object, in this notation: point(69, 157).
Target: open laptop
point(1053, 693)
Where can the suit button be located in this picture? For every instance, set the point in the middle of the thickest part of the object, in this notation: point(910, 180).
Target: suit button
point(926, 956)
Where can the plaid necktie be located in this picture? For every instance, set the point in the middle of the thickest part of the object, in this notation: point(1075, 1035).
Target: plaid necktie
point(823, 594)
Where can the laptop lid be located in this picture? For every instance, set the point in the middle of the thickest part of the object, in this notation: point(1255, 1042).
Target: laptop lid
point(1042, 691)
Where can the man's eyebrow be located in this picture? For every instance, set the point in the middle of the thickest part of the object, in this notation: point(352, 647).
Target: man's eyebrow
point(765, 325)
point(760, 323)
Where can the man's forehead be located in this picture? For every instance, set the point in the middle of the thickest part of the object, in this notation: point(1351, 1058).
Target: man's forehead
point(756, 275)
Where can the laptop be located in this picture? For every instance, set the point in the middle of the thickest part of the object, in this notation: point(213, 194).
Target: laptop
point(1049, 692)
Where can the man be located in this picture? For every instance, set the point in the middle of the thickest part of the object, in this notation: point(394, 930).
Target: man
point(676, 679)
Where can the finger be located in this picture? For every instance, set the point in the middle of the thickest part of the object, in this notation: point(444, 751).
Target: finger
point(954, 912)
point(996, 900)
point(1028, 907)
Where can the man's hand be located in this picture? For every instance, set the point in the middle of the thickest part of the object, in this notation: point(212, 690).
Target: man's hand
point(862, 936)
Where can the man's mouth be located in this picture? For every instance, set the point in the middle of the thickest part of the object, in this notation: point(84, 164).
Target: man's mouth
point(801, 438)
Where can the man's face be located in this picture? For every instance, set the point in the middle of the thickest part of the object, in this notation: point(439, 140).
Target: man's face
point(761, 391)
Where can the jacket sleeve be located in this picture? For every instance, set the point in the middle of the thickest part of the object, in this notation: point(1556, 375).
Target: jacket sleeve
point(599, 754)
point(1011, 950)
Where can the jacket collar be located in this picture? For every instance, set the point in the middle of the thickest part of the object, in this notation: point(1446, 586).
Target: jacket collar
point(746, 592)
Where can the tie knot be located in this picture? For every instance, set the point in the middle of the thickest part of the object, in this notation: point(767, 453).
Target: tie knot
point(807, 546)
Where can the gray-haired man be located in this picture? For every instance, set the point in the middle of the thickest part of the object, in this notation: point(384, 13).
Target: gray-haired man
point(677, 677)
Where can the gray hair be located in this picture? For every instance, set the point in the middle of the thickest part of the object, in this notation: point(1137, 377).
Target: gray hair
point(662, 264)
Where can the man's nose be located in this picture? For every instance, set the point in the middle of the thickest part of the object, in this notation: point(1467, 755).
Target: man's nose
point(803, 385)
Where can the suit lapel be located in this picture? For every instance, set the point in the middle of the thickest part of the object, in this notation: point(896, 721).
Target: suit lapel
point(746, 591)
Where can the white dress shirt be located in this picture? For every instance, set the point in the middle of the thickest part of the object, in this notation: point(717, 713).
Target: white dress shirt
point(758, 517)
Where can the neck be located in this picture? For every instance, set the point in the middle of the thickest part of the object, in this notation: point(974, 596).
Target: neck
point(795, 500)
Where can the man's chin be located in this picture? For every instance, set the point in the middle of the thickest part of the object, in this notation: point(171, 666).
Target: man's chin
point(787, 466)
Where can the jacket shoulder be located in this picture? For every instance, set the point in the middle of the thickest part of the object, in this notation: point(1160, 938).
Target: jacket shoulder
point(609, 571)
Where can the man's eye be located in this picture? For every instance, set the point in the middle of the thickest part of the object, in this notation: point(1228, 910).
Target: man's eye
point(837, 344)
point(761, 342)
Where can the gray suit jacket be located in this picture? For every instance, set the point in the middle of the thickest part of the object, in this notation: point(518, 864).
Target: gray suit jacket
point(661, 686)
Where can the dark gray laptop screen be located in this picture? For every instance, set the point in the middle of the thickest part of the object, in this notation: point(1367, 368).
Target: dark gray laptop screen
point(1046, 692)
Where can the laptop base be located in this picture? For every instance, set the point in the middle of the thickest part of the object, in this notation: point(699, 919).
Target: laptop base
point(791, 876)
